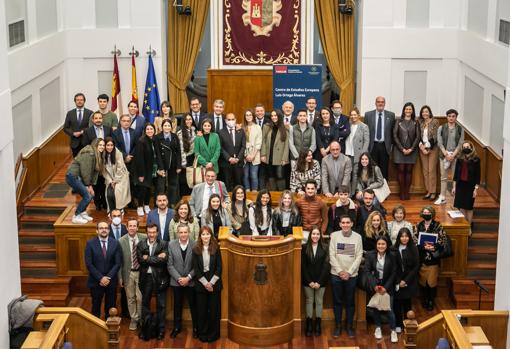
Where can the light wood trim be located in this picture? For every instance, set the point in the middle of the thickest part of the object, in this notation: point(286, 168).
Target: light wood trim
point(454, 331)
point(430, 322)
point(55, 335)
point(85, 315)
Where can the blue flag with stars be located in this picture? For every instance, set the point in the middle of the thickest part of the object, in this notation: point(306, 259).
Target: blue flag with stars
point(151, 95)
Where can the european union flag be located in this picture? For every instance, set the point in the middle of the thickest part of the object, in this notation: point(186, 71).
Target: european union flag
point(151, 95)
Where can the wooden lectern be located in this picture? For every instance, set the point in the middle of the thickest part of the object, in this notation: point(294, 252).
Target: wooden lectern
point(261, 296)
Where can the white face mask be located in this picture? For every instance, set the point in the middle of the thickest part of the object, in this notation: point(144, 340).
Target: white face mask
point(231, 123)
point(116, 220)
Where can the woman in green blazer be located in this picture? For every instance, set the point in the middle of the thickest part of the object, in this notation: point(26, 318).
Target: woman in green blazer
point(207, 146)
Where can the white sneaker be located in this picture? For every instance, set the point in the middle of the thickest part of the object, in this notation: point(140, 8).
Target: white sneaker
point(139, 211)
point(133, 325)
point(85, 215)
point(394, 337)
point(147, 209)
point(78, 219)
point(441, 200)
point(398, 329)
point(377, 333)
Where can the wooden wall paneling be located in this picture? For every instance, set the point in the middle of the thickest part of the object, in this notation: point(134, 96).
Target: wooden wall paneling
point(494, 168)
point(429, 331)
point(456, 265)
point(494, 325)
point(240, 89)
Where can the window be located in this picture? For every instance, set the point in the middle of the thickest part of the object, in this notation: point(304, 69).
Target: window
point(504, 31)
point(16, 33)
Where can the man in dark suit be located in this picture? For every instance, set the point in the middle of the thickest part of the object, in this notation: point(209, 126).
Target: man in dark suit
point(217, 116)
point(233, 145)
point(312, 115)
point(260, 115)
point(125, 140)
point(196, 113)
point(137, 121)
point(288, 110)
point(161, 216)
point(180, 268)
point(103, 260)
point(380, 125)
point(97, 130)
point(76, 122)
point(342, 122)
point(152, 255)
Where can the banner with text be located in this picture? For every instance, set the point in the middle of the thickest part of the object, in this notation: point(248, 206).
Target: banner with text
point(296, 83)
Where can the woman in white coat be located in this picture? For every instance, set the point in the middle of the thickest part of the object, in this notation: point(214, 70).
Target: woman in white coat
point(252, 155)
point(116, 176)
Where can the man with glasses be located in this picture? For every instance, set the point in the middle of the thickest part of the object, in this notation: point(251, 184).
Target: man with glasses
point(196, 113)
point(342, 122)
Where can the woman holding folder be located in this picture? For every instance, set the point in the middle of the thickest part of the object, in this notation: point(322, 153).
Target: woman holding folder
point(431, 242)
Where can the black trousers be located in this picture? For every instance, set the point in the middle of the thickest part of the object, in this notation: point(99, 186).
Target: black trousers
point(262, 175)
point(143, 195)
point(170, 186)
point(400, 308)
point(76, 150)
point(148, 288)
point(179, 294)
point(381, 157)
point(98, 292)
point(99, 193)
point(208, 311)
point(232, 175)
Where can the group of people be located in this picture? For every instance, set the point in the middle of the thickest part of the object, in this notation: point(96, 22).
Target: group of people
point(310, 152)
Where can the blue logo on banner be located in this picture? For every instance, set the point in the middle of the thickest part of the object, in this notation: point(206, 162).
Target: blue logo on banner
point(296, 83)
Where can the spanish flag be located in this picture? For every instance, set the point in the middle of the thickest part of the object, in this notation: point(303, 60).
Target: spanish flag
point(115, 83)
point(134, 88)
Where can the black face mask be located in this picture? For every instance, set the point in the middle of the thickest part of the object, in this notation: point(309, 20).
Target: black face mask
point(426, 217)
point(466, 150)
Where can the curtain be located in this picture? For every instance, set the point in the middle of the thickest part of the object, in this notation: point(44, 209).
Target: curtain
point(184, 39)
point(337, 39)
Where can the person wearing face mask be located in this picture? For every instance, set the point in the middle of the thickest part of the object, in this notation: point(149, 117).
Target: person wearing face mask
point(233, 147)
point(430, 254)
point(466, 180)
point(118, 230)
point(342, 123)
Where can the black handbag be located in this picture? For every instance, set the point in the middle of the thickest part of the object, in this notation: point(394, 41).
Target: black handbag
point(447, 248)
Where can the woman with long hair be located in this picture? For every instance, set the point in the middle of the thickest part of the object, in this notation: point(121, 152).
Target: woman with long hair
point(286, 215)
point(207, 267)
point(380, 268)
point(166, 113)
point(260, 214)
point(429, 151)
point(82, 175)
point(408, 264)
point(406, 137)
point(238, 211)
point(366, 175)
point(253, 134)
point(359, 139)
point(116, 176)
point(375, 226)
point(305, 168)
point(399, 221)
point(145, 168)
point(466, 180)
point(183, 215)
point(275, 150)
point(207, 146)
point(215, 216)
point(326, 131)
point(314, 274)
point(186, 134)
point(169, 162)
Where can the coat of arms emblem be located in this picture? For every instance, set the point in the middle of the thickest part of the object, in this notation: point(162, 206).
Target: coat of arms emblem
point(262, 15)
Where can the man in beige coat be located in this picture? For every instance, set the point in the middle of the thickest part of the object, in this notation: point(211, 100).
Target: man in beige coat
point(130, 271)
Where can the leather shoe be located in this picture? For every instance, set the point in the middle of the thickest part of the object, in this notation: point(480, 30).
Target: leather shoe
point(161, 335)
point(175, 332)
point(195, 333)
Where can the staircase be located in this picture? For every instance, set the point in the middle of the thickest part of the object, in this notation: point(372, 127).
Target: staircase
point(482, 251)
point(38, 263)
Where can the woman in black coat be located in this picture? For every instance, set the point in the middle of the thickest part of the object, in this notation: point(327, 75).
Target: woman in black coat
point(169, 161)
point(315, 270)
point(145, 168)
point(207, 267)
point(408, 265)
point(326, 132)
point(286, 215)
point(380, 267)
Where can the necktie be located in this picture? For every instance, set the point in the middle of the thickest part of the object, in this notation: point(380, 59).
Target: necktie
point(117, 233)
point(286, 119)
point(134, 258)
point(99, 132)
point(310, 118)
point(232, 134)
point(79, 116)
point(378, 134)
point(104, 248)
point(210, 190)
point(195, 116)
point(217, 124)
point(127, 142)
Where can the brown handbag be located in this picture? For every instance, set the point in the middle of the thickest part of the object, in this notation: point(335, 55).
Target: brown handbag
point(195, 174)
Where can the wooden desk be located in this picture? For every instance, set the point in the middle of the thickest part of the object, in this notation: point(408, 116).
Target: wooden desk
point(476, 335)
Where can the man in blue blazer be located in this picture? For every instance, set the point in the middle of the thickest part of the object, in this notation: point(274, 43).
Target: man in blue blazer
point(195, 110)
point(103, 260)
point(137, 121)
point(161, 216)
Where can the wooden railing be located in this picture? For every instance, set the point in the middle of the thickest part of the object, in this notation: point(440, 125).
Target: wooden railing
point(51, 336)
point(80, 328)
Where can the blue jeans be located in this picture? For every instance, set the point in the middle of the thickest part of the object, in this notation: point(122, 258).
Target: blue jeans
point(376, 315)
point(343, 293)
point(76, 183)
point(251, 176)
